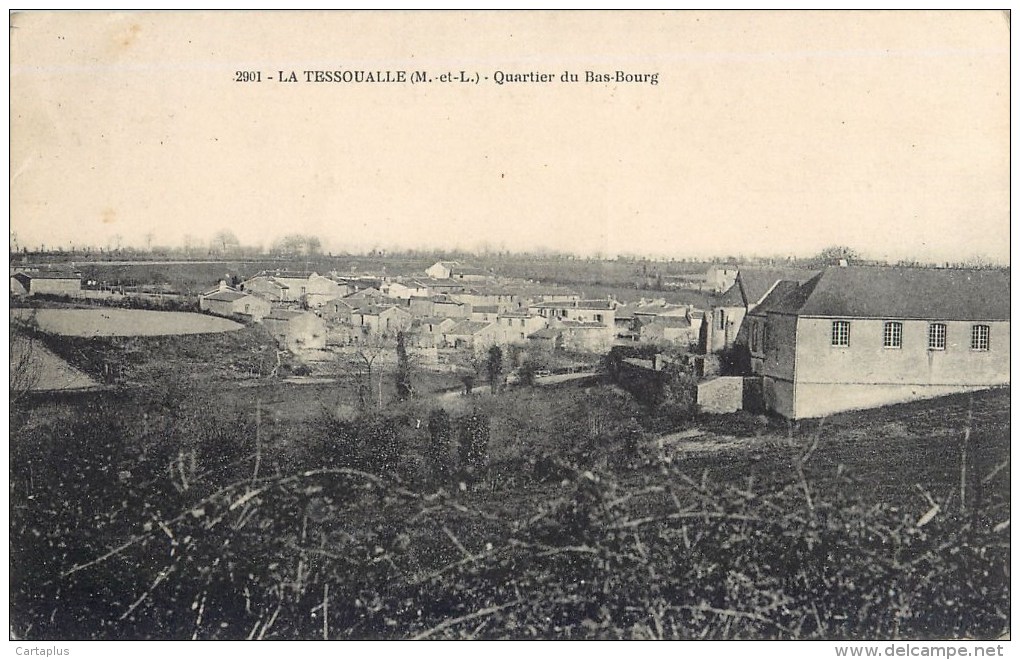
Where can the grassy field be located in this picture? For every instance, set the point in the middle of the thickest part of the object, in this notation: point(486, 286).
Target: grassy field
point(112, 322)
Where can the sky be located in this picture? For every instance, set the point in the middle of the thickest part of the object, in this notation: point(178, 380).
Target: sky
point(767, 133)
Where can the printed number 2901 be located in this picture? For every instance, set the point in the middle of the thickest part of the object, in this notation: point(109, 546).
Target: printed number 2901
point(247, 76)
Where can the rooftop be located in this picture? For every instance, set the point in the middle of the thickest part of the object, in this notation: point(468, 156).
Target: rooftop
point(227, 295)
point(898, 292)
point(468, 328)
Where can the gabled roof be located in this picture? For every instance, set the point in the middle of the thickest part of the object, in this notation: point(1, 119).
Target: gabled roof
point(266, 278)
point(468, 328)
point(756, 282)
point(486, 309)
point(776, 297)
point(577, 304)
point(292, 274)
point(544, 333)
point(909, 293)
point(370, 292)
point(469, 270)
point(374, 310)
point(286, 314)
point(434, 320)
point(446, 299)
point(581, 325)
point(670, 322)
point(51, 275)
point(227, 295)
point(732, 297)
point(624, 312)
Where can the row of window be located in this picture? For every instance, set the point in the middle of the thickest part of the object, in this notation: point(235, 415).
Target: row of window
point(892, 335)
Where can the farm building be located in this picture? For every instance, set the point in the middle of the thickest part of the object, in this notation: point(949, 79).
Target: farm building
point(668, 329)
point(515, 327)
point(720, 277)
point(407, 289)
point(46, 282)
point(428, 331)
point(296, 330)
point(230, 302)
point(338, 310)
point(451, 270)
point(268, 287)
point(858, 337)
point(477, 335)
point(484, 313)
point(311, 289)
point(382, 319)
point(597, 311)
point(749, 288)
point(723, 320)
point(446, 305)
point(441, 270)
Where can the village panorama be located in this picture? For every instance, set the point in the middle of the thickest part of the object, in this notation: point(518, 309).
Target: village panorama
point(220, 442)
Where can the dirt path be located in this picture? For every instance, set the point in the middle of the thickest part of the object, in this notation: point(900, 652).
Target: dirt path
point(695, 440)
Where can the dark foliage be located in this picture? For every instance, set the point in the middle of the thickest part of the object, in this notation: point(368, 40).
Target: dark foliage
point(160, 523)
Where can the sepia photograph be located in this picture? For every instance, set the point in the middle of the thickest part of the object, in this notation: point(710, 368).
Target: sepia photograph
point(391, 325)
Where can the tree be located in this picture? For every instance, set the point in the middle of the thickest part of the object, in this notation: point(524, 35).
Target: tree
point(438, 450)
point(298, 244)
point(369, 347)
point(404, 387)
point(833, 254)
point(679, 400)
point(469, 383)
point(225, 241)
point(473, 441)
point(494, 367)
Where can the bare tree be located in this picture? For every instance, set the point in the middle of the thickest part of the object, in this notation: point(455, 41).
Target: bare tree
point(225, 241)
point(370, 346)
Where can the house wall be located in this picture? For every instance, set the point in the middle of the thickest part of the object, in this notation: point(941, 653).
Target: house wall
point(217, 307)
point(778, 396)
point(395, 320)
point(864, 374)
point(253, 306)
point(450, 310)
point(261, 286)
point(320, 290)
point(720, 338)
point(515, 329)
point(58, 287)
point(606, 316)
point(865, 361)
point(780, 346)
point(438, 271)
point(420, 307)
